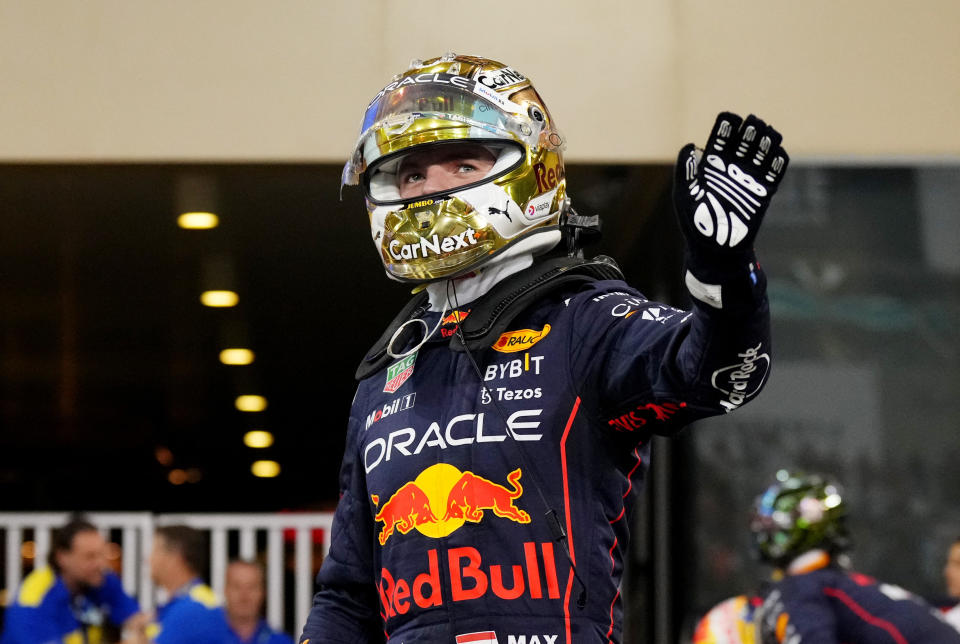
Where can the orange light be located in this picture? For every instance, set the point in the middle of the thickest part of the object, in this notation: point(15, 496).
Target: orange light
point(177, 477)
point(164, 456)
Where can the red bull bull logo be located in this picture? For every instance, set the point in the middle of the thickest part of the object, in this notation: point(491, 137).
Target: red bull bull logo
point(455, 319)
point(442, 498)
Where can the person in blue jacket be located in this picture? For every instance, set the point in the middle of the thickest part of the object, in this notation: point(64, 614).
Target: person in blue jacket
point(502, 423)
point(243, 595)
point(74, 598)
point(799, 526)
point(192, 613)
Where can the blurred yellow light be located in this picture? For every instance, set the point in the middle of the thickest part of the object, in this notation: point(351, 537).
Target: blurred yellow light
point(177, 477)
point(219, 298)
point(265, 469)
point(198, 220)
point(251, 403)
point(236, 356)
point(257, 439)
point(28, 550)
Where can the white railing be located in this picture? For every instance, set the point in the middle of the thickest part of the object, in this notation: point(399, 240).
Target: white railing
point(257, 537)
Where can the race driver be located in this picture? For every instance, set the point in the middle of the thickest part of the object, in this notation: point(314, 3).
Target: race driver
point(799, 526)
point(502, 423)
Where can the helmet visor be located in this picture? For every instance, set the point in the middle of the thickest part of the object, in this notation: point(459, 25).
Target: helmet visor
point(433, 170)
point(435, 107)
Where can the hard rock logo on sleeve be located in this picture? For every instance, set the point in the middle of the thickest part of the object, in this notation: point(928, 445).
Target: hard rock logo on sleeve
point(740, 381)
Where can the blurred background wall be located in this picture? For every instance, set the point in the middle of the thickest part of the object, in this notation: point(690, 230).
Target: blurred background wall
point(255, 80)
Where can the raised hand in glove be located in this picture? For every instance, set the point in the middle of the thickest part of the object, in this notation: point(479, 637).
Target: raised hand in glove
point(721, 193)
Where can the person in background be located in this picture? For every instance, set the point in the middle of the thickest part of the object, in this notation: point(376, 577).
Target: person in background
point(192, 613)
point(73, 598)
point(729, 622)
point(243, 601)
point(951, 577)
point(799, 527)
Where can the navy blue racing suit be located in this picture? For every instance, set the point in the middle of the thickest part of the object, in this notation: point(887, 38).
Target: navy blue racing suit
point(442, 532)
point(830, 605)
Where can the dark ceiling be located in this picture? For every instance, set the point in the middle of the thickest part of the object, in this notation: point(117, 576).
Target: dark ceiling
point(107, 355)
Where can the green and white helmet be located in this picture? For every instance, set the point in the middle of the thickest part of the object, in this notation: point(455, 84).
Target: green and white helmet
point(798, 513)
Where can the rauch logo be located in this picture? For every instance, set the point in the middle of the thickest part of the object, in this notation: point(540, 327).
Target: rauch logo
point(513, 341)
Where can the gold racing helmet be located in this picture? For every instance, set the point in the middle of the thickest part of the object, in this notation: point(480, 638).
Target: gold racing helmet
point(515, 208)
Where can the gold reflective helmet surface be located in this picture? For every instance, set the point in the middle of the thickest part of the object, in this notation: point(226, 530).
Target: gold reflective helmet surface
point(515, 208)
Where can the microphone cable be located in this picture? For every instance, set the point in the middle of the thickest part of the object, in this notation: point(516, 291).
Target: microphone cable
point(553, 519)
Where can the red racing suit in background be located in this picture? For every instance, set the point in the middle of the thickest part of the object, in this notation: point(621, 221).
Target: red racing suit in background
point(442, 531)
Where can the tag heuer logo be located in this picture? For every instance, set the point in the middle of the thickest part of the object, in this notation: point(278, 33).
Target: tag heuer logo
point(398, 372)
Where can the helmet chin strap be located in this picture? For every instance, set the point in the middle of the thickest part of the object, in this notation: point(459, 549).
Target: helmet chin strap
point(475, 284)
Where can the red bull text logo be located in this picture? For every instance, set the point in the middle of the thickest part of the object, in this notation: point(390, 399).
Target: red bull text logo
point(455, 318)
point(548, 178)
point(470, 579)
point(513, 341)
point(442, 498)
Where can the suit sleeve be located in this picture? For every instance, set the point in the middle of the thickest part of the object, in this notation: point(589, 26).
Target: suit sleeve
point(653, 362)
point(346, 608)
point(788, 615)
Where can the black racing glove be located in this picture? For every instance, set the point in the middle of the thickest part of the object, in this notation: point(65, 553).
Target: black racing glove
point(721, 194)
